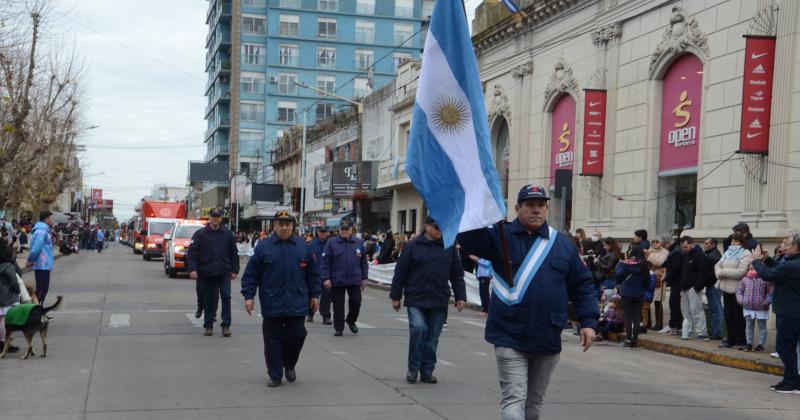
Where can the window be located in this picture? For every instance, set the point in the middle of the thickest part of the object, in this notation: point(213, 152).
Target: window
point(413, 216)
point(326, 57)
point(253, 25)
point(405, 134)
point(328, 5)
point(401, 221)
point(326, 28)
point(289, 54)
point(400, 59)
point(361, 88)
point(286, 84)
point(364, 59)
point(290, 3)
point(365, 31)
point(404, 8)
point(252, 82)
point(251, 111)
point(254, 3)
point(402, 33)
point(326, 83)
point(250, 142)
point(365, 7)
point(324, 111)
point(289, 25)
point(286, 111)
point(253, 54)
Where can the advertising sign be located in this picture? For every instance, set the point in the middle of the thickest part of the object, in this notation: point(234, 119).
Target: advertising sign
point(322, 180)
point(562, 146)
point(759, 68)
point(97, 195)
point(680, 116)
point(594, 132)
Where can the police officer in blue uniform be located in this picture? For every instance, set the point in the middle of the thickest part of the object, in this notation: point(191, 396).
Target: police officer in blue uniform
point(525, 321)
point(317, 247)
point(284, 272)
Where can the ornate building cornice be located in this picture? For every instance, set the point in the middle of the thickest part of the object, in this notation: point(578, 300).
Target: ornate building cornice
point(522, 70)
point(561, 81)
point(601, 37)
point(682, 34)
point(500, 105)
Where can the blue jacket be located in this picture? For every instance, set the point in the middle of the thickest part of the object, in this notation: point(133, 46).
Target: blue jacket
point(423, 271)
point(318, 247)
point(213, 252)
point(786, 278)
point(635, 285)
point(100, 236)
point(534, 325)
point(344, 262)
point(285, 274)
point(41, 247)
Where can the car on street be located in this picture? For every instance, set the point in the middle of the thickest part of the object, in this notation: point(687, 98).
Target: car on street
point(176, 245)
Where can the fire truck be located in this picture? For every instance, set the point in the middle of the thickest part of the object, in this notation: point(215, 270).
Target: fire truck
point(157, 218)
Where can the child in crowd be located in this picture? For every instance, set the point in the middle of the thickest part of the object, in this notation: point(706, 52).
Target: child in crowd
point(613, 318)
point(754, 294)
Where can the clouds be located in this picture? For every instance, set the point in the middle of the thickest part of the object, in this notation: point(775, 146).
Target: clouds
point(144, 88)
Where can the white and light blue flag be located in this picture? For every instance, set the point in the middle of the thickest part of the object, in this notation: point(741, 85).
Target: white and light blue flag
point(449, 158)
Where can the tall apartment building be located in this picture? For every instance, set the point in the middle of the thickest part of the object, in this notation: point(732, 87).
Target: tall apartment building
point(263, 57)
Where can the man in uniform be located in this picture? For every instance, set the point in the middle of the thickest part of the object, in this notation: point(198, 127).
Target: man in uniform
point(343, 269)
point(214, 260)
point(283, 271)
point(317, 247)
point(525, 320)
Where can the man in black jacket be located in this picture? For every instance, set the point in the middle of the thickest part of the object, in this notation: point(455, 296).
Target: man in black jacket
point(713, 294)
point(422, 272)
point(674, 265)
point(213, 260)
point(694, 276)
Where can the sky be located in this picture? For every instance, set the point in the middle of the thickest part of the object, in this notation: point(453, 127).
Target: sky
point(144, 84)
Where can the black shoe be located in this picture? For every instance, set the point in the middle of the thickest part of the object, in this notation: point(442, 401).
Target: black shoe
point(272, 383)
point(725, 346)
point(748, 348)
point(338, 333)
point(411, 377)
point(633, 345)
point(778, 385)
point(310, 318)
point(430, 379)
point(353, 328)
point(326, 320)
point(208, 332)
point(715, 337)
point(788, 389)
point(291, 375)
point(198, 313)
point(759, 348)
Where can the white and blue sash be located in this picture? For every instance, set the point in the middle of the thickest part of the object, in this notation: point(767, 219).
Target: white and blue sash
point(524, 277)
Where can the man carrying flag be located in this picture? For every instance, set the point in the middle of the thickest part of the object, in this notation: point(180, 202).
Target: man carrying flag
point(449, 161)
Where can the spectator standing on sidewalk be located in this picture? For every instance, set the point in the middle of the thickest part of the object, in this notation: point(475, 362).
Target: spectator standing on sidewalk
point(100, 239)
point(786, 278)
point(485, 274)
point(605, 265)
point(754, 294)
point(694, 276)
point(713, 295)
point(634, 275)
point(422, 277)
point(747, 242)
point(41, 256)
point(344, 270)
point(387, 247)
point(318, 247)
point(730, 270)
point(656, 256)
point(213, 259)
point(672, 278)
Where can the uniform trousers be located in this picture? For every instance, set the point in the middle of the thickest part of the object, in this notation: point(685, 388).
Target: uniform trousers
point(283, 340)
point(354, 305)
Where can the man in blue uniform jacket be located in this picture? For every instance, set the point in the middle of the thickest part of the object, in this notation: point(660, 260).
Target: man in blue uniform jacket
point(284, 272)
point(525, 321)
point(344, 269)
point(318, 247)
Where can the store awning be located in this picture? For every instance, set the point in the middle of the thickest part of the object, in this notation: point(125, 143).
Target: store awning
point(337, 221)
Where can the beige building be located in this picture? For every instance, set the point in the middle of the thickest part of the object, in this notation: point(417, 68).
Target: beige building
point(663, 64)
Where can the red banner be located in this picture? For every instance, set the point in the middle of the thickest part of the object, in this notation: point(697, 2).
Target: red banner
point(680, 116)
point(759, 67)
point(594, 132)
point(97, 195)
point(562, 146)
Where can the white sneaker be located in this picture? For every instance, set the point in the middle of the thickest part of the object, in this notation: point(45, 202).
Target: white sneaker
point(664, 330)
point(775, 355)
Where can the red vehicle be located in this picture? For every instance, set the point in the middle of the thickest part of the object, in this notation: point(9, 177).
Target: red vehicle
point(176, 245)
point(158, 217)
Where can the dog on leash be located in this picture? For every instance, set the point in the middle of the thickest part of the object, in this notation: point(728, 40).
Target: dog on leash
point(37, 322)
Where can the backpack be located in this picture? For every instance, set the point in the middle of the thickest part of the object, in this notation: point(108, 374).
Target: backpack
point(649, 291)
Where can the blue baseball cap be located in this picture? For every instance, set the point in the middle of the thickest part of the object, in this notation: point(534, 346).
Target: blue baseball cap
point(530, 192)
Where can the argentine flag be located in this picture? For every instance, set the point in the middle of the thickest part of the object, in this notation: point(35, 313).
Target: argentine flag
point(449, 158)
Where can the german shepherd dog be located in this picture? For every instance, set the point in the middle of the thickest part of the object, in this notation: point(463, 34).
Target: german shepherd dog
point(37, 323)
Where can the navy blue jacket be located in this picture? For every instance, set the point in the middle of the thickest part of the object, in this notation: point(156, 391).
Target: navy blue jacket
point(285, 274)
point(635, 285)
point(318, 247)
point(213, 252)
point(534, 325)
point(786, 278)
point(423, 271)
point(344, 262)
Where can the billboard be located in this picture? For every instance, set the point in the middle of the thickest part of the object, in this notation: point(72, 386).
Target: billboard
point(759, 68)
point(562, 146)
point(594, 132)
point(680, 116)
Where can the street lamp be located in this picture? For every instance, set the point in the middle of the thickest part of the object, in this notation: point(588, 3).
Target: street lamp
point(360, 111)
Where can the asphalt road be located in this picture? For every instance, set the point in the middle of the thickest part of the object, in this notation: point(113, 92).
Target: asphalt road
point(126, 346)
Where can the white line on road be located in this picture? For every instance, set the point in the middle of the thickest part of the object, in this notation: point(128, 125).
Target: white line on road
point(480, 353)
point(78, 312)
point(364, 325)
point(339, 352)
point(120, 320)
point(195, 321)
point(446, 363)
point(165, 311)
point(405, 320)
point(475, 323)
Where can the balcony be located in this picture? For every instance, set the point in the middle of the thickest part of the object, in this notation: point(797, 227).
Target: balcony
point(221, 93)
point(392, 173)
point(217, 150)
point(217, 123)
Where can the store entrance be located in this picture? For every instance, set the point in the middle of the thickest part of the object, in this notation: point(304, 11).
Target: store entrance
point(677, 204)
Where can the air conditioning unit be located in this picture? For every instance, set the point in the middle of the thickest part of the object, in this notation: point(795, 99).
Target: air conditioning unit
point(273, 79)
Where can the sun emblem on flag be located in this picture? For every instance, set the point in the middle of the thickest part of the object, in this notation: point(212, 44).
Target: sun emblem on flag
point(449, 115)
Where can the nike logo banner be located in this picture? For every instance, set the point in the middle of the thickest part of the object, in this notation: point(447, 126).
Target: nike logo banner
point(759, 67)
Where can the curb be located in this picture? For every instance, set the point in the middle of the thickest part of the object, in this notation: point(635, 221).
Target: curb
point(715, 358)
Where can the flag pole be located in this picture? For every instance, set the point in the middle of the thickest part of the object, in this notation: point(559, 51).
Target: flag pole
point(501, 230)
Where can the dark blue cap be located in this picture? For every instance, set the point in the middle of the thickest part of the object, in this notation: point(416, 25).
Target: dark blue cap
point(215, 212)
point(531, 191)
point(345, 224)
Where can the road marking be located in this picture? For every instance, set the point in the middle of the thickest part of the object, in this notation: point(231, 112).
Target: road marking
point(165, 311)
point(405, 320)
point(195, 321)
point(480, 353)
point(339, 352)
point(475, 323)
point(446, 363)
point(364, 325)
point(120, 320)
point(78, 312)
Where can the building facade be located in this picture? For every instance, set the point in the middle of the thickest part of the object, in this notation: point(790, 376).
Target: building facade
point(662, 154)
point(266, 57)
